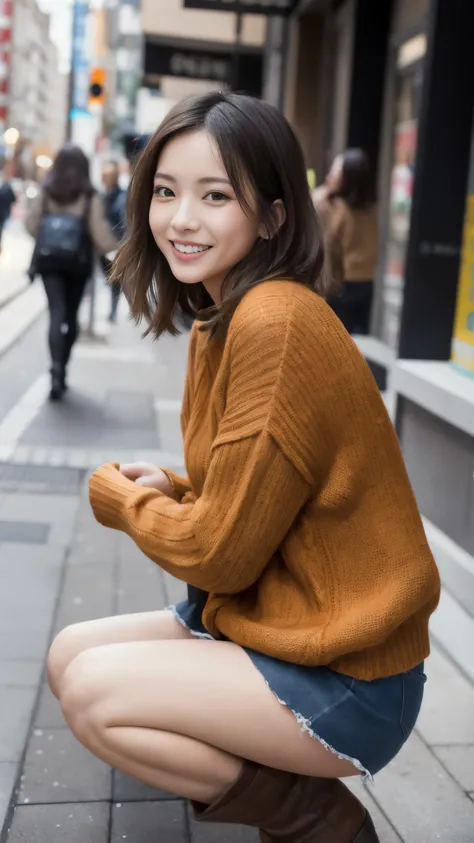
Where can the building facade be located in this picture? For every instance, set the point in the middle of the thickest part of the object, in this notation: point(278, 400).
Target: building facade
point(396, 78)
point(37, 102)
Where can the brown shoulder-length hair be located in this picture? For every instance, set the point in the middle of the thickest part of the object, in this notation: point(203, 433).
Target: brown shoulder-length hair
point(262, 157)
point(69, 178)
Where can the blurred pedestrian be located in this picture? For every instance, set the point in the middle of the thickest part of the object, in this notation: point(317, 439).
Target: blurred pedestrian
point(349, 216)
point(115, 201)
point(312, 582)
point(7, 200)
point(68, 221)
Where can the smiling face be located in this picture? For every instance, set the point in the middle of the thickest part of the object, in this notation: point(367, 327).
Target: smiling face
point(195, 217)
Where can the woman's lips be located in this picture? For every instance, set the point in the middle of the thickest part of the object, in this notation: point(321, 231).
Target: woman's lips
point(186, 257)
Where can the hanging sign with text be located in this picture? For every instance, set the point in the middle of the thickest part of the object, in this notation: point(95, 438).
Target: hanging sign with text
point(166, 60)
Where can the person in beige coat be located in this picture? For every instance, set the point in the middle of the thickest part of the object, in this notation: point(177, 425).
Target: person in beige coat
point(67, 194)
point(349, 217)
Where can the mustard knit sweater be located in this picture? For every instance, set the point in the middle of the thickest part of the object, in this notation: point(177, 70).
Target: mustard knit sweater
point(298, 517)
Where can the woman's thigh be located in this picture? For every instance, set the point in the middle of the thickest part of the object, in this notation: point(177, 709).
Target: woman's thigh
point(74, 639)
point(206, 690)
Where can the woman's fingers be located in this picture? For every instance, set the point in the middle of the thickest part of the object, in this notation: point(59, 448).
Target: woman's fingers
point(151, 481)
point(135, 470)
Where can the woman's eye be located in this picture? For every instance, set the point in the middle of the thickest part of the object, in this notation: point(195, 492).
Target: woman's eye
point(163, 192)
point(216, 196)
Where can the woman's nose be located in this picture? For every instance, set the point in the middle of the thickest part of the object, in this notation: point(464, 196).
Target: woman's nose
point(185, 218)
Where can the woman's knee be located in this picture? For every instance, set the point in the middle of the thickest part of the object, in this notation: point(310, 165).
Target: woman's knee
point(64, 649)
point(82, 693)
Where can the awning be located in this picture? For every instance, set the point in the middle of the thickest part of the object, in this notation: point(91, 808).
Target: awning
point(249, 7)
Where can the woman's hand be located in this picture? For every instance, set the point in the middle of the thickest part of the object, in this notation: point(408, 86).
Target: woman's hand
point(148, 475)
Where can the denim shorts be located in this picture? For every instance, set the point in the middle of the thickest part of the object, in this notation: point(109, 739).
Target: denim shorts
point(363, 722)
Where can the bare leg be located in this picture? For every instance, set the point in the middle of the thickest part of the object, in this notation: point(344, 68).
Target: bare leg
point(145, 626)
point(180, 715)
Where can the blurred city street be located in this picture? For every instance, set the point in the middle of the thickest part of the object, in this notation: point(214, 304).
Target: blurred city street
point(57, 566)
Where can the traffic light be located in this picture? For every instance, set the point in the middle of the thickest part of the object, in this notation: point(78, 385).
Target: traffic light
point(97, 86)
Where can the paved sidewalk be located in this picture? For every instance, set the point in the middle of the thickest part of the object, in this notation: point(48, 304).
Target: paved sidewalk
point(57, 566)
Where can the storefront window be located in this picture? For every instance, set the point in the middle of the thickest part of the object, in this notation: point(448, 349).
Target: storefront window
point(409, 71)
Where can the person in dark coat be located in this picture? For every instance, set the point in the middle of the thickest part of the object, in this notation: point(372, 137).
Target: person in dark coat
point(115, 199)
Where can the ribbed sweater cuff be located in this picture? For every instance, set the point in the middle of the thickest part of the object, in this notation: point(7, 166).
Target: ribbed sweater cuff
point(109, 493)
point(180, 485)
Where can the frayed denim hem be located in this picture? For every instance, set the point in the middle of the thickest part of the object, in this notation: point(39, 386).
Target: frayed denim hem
point(193, 632)
point(302, 721)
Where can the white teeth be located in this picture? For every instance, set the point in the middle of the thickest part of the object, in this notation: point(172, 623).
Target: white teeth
point(188, 250)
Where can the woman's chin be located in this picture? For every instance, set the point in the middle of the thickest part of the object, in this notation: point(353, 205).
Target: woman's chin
point(186, 277)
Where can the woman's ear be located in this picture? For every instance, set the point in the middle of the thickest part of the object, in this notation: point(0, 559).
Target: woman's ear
point(278, 214)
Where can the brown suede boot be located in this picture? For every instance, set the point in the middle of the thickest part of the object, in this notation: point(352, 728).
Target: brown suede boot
point(288, 808)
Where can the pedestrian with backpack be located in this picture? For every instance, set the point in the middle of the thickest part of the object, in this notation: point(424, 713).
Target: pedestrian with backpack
point(68, 222)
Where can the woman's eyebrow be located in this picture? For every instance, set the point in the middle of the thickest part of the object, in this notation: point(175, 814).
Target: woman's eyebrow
point(164, 176)
point(205, 180)
point(212, 179)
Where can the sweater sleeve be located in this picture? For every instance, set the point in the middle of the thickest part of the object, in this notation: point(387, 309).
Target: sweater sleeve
point(224, 540)
point(181, 485)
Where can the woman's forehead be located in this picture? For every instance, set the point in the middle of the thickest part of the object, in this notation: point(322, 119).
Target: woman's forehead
point(192, 154)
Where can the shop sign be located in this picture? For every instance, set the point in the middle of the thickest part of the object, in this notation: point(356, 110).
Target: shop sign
point(463, 337)
point(163, 60)
point(250, 7)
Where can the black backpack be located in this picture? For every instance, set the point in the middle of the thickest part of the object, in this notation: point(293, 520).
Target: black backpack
point(63, 243)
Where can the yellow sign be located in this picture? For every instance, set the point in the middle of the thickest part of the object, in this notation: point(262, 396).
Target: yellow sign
point(462, 352)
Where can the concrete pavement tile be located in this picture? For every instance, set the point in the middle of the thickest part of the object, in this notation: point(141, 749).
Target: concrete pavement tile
point(88, 593)
point(25, 645)
point(459, 760)
point(20, 455)
point(446, 713)
point(16, 706)
point(175, 589)
point(140, 585)
point(17, 620)
point(141, 822)
point(125, 789)
point(8, 774)
point(27, 532)
point(29, 560)
point(453, 626)
point(44, 508)
point(138, 600)
point(48, 714)
point(421, 800)
point(84, 823)
point(93, 543)
point(128, 554)
point(25, 673)
point(129, 409)
point(58, 768)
